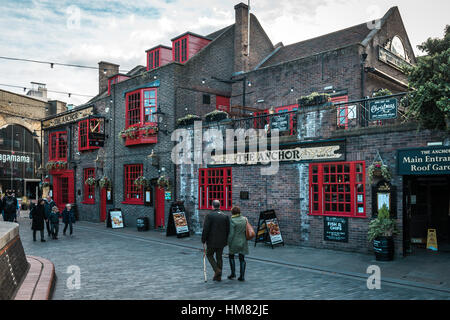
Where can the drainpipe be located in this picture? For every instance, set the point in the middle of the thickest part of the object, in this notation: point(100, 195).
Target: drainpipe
point(364, 109)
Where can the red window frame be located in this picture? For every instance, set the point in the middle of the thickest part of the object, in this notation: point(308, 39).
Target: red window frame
point(83, 134)
point(180, 49)
point(140, 107)
point(132, 193)
point(115, 79)
point(215, 183)
point(337, 189)
point(57, 146)
point(342, 111)
point(153, 59)
point(89, 191)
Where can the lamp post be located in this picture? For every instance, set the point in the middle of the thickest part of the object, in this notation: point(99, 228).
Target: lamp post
point(160, 120)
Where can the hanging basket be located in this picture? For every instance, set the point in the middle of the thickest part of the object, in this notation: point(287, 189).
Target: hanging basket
point(141, 181)
point(90, 181)
point(163, 182)
point(104, 182)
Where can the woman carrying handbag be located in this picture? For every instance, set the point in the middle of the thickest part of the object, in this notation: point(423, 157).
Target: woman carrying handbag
point(237, 242)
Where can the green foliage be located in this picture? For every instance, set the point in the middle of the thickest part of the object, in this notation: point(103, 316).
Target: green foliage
point(187, 120)
point(383, 225)
point(216, 115)
point(384, 170)
point(314, 98)
point(382, 92)
point(429, 103)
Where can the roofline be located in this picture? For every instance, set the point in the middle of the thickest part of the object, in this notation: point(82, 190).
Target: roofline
point(374, 31)
point(191, 33)
point(78, 108)
point(159, 46)
point(25, 96)
point(118, 74)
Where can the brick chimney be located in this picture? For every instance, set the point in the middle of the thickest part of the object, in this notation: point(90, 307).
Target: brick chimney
point(241, 59)
point(105, 70)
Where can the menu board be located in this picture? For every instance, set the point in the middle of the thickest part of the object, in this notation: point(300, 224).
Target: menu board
point(335, 229)
point(181, 225)
point(177, 223)
point(116, 219)
point(274, 231)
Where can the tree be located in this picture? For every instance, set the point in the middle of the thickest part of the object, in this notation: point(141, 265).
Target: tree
point(429, 80)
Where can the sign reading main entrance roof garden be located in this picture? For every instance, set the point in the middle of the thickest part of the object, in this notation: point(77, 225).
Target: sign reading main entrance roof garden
point(383, 109)
point(424, 161)
point(305, 152)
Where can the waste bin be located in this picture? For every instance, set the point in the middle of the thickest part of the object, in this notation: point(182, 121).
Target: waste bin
point(75, 211)
point(142, 224)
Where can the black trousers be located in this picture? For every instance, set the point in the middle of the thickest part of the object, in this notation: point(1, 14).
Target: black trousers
point(55, 229)
point(216, 263)
point(49, 230)
point(65, 227)
point(42, 234)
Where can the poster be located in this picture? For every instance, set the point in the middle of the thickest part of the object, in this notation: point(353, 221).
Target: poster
point(116, 219)
point(274, 231)
point(335, 229)
point(181, 225)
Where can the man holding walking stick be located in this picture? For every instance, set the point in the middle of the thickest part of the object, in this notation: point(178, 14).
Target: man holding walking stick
point(215, 234)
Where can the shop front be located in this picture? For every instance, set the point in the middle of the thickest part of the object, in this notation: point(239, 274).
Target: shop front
point(426, 196)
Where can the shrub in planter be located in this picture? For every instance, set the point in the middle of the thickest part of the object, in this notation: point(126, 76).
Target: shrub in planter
point(382, 93)
point(314, 99)
point(216, 115)
point(381, 232)
point(188, 120)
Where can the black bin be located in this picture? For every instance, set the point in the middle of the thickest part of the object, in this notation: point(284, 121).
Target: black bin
point(75, 211)
point(142, 224)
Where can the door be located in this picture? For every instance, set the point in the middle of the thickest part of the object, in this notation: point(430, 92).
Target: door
point(159, 207)
point(63, 191)
point(103, 205)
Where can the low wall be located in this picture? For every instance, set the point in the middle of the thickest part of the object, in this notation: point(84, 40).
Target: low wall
point(13, 262)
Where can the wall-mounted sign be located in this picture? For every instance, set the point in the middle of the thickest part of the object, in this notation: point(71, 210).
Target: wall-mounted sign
point(383, 109)
point(392, 59)
point(335, 229)
point(384, 194)
point(313, 151)
point(424, 161)
point(14, 158)
point(280, 122)
point(67, 118)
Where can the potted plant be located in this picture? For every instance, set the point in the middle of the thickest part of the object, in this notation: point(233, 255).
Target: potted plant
point(141, 181)
point(378, 169)
point(382, 93)
point(381, 232)
point(314, 99)
point(216, 115)
point(90, 181)
point(163, 182)
point(104, 182)
point(149, 130)
point(188, 120)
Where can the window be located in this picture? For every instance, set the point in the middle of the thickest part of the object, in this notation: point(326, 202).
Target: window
point(141, 107)
point(115, 79)
point(223, 103)
point(153, 59)
point(337, 189)
point(206, 99)
point(84, 127)
point(344, 111)
point(58, 146)
point(180, 49)
point(89, 191)
point(292, 117)
point(215, 184)
point(132, 194)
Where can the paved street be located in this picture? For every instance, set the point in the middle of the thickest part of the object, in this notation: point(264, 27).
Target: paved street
point(119, 265)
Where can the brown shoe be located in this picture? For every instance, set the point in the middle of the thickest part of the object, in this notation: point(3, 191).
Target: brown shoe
point(218, 275)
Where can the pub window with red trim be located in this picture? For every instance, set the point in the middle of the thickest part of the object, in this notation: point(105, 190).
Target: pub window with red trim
point(89, 191)
point(84, 127)
point(133, 194)
point(215, 184)
point(58, 146)
point(337, 189)
point(141, 106)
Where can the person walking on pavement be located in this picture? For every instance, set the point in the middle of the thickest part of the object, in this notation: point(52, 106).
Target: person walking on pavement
point(49, 204)
point(38, 216)
point(54, 222)
point(68, 218)
point(237, 243)
point(216, 228)
point(9, 206)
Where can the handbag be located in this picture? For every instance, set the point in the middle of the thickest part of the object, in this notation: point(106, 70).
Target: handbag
point(249, 231)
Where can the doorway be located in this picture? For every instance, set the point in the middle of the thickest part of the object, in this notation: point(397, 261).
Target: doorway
point(426, 206)
point(63, 188)
point(159, 207)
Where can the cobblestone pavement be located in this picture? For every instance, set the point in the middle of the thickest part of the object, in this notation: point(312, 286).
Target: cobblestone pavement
point(117, 265)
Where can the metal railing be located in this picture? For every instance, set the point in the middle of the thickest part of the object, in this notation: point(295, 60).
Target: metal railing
point(285, 122)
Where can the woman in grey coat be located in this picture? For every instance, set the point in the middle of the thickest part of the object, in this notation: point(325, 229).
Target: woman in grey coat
point(237, 242)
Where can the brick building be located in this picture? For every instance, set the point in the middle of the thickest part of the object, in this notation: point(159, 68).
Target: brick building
point(257, 82)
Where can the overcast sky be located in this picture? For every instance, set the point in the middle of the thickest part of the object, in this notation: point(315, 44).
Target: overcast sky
point(86, 31)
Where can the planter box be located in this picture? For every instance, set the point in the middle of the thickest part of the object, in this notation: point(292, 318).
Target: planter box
point(141, 138)
point(384, 248)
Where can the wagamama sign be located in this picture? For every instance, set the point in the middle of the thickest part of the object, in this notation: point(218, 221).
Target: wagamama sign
point(14, 158)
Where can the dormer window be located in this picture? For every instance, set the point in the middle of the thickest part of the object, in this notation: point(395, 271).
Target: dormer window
point(116, 79)
point(158, 56)
point(187, 45)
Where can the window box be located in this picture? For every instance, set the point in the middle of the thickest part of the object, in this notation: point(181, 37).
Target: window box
point(337, 189)
point(137, 135)
point(215, 184)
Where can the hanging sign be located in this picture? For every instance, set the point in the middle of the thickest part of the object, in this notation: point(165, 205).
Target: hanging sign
point(268, 229)
point(432, 240)
point(383, 109)
point(424, 161)
point(335, 229)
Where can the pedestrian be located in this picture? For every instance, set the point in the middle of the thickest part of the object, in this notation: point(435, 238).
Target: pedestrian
point(68, 218)
point(49, 204)
point(215, 234)
point(17, 213)
point(1, 206)
point(9, 206)
point(38, 216)
point(54, 222)
point(237, 242)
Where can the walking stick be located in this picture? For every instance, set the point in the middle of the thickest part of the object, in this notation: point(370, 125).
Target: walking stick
point(204, 263)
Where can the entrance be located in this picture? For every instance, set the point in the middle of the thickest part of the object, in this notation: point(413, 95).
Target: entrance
point(103, 205)
point(159, 207)
point(426, 202)
point(63, 188)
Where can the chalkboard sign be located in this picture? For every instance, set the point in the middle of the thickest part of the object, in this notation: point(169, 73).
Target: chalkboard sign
point(268, 229)
point(177, 224)
point(383, 109)
point(280, 122)
point(335, 229)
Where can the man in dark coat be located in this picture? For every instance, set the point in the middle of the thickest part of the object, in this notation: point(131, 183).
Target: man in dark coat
point(9, 206)
point(38, 216)
point(215, 234)
point(49, 204)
